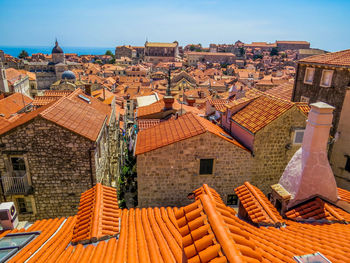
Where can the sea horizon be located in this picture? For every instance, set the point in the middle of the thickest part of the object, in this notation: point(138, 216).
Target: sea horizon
point(16, 50)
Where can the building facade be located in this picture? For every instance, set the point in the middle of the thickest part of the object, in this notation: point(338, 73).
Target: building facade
point(161, 52)
point(193, 58)
point(326, 78)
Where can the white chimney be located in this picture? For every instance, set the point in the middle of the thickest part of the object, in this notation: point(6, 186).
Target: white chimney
point(308, 174)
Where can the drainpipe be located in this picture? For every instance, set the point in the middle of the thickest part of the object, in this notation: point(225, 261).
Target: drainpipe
point(90, 162)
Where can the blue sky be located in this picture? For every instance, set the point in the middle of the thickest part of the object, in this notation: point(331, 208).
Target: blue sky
point(107, 23)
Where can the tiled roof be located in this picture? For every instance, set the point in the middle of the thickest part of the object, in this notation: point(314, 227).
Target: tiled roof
point(98, 215)
point(344, 194)
point(48, 245)
point(150, 109)
point(158, 44)
point(13, 103)
point(59, 93)
point(44, 100)
point(260, 112)
point(304, 107)
point(317, 209)
point(204, 231)
point(210, 233)
point(78, 117)
point(171, 131)
point(219, 104)
point(340, 58)
point(283, 91)
point(258, 207)
point(146, 123)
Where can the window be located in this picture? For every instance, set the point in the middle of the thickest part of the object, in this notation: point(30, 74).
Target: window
point(326, 79)
point(18, 164)
point(304, 99)
point(347, 165)
point(232, 200)
point(309, 75)
point(24, 205)
point(206, 166)
point(298, 136)
point(12, 243)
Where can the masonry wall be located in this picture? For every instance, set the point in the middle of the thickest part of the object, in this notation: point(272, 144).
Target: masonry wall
point(58, 164)
point(273, 148)
point(333, 95)
point(166, 175)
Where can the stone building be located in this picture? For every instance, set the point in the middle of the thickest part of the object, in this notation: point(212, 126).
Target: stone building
point(326, 78)
point(49, 156)
point(48, 72)
point(13, 80)
point(292, 45)
point(68, 81)
point(271, 128)
point(124, 51)
point(185, 153)
point(161, 52)
point(209, 57)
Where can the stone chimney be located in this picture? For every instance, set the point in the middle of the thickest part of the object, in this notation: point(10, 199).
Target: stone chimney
point(308, 174)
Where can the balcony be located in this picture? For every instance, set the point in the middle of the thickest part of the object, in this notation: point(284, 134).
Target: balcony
point(15, 184)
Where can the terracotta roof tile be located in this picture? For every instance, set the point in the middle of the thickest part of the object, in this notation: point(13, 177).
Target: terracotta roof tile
point(283, 91)
point(59, 93)
point(260, 112)
point(174, 130)
point(44, 100)
point(303, 107)
point(340, 58)
point(344, 194)
point(147, 123)
point(258, 207)
point(13, 103)
point(98, 215)
point(150, 109)
point(317, 209)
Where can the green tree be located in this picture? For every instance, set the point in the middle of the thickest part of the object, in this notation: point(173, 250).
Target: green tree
point(192, 48)
point(109, 53)
point(257, 56)
point(274, 52)
point(23, 54)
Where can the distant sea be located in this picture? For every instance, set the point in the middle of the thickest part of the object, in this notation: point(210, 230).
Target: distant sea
point(15, 51)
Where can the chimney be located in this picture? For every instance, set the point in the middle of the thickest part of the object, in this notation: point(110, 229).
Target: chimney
point(191, 101)
point(168, 102)
point(308, 173)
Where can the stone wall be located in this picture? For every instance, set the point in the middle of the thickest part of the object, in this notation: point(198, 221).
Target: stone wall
point(166, 175)
point(333, 95)
point(58, 162)
point(273, 148)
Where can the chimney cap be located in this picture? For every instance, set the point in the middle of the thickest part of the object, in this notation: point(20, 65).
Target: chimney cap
point(321, 105)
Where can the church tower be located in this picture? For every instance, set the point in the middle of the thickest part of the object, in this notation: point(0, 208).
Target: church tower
point(57, 54)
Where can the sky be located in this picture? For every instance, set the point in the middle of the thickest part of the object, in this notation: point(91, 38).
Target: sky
point(108, 23)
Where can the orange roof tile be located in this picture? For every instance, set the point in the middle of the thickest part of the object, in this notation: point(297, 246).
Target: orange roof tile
point(340, 58)
point(77, 116)
point(219, 104)
point(171, 131)
point(260, 112)
point(59, 93)
point(147, 123)
point(98, 215)
point(344, 194)
point(13, 103)
point(44, 100)
point(283, 91)
point(258, 207)
point(150, 109)
point(317, 209)
point(303, 107)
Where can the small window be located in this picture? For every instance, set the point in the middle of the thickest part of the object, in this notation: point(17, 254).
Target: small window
point(347, 165)
point(24, 205)
point(309, 75)
point(18, 164)
point(206, 166)
point(326, 79)
point(298, 136)
point(304, 99)
point(232, 200)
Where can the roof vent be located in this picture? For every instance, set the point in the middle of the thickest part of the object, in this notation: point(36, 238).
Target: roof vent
point(86, 99)
point(312, 258)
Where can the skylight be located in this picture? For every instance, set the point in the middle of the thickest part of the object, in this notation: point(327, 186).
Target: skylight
point(312, 258)
point(86, 99)
point(12, 243)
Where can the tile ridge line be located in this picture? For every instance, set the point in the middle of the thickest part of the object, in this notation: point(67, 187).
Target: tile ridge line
point(261, 202)
point(231, 252)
